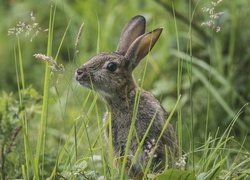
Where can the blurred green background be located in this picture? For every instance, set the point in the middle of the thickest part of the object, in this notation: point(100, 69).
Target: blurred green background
point(215, 82)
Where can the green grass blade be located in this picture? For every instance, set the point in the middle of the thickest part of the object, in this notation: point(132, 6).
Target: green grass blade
point(43, 123)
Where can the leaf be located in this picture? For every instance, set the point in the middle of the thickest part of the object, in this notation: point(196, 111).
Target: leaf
point(201, 176)
point(176, 174)
point(214, 172)
point(80, 166)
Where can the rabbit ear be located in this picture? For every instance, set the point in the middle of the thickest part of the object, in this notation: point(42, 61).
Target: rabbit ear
point(141, 47)
point(132, 30)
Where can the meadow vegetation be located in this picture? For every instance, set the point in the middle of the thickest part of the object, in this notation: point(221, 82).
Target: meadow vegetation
point(50, 127)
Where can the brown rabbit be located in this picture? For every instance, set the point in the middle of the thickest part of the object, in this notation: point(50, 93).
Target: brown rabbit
point(110, 74)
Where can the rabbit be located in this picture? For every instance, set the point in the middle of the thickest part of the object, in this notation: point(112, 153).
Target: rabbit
point(110, 74)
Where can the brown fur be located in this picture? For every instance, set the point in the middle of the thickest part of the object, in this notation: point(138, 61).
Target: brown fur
point(110, 74)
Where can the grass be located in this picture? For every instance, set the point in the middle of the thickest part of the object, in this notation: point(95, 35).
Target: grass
point(61, 128)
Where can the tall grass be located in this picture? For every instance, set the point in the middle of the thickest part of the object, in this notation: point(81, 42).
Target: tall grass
point(40, 149)
point(21, 85)
point(76, 145)
point(34, 160)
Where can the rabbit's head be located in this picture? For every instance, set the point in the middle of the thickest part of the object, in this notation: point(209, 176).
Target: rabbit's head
point(110, 74)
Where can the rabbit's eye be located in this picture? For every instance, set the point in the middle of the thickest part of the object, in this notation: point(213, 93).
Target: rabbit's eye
point(112, 66)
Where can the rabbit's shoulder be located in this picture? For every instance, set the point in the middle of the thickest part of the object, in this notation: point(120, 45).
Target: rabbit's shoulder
point(149, 102)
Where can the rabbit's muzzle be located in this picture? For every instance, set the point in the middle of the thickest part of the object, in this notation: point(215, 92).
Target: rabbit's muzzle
point(81, 77)
point(79, 72)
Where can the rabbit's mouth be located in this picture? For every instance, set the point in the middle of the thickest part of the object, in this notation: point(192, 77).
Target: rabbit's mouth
point(82, 82)
point(85, 84)
point(82, 78)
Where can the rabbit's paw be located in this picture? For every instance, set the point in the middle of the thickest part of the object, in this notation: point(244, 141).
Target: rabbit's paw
point(149, 150)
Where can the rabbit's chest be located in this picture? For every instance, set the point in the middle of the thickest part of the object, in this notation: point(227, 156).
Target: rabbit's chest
point(120, 125)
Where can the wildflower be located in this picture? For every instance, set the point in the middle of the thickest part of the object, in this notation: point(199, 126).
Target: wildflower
point(26, 28)
point(212, 15)
point(181, 163)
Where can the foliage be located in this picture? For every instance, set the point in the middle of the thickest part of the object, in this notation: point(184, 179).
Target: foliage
point(10, 120)
point(176, 174)
point(53, 129)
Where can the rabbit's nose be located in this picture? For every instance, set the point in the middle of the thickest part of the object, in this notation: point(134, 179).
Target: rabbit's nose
point(79, 72)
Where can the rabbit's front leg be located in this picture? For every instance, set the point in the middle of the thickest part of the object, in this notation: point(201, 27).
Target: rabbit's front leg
point(148, 154)
point(149, 149)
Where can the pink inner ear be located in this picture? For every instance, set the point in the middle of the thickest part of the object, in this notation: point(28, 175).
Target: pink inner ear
point(144, 47)
point(141, 47)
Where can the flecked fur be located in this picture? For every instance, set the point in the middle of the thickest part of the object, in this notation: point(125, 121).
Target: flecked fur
point(110, 74)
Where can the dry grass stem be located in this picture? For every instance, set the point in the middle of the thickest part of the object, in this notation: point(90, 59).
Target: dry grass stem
point(55, 66)
point(79, 35)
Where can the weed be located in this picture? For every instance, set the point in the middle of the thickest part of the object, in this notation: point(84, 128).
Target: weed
point(213, 15)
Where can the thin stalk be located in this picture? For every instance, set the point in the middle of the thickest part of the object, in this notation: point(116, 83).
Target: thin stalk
point(100, 131)
point(232, 38)
point(24, 173)
point(78, 136)
point(43, 123)
point(191, 15)
point(62, 152)
point(75, 137)
point(110, 142)
point(131, 131)
point(208, 107)
point(62, 40)
point(20, 64)
point(191, 82)
point(23, 120)
point(140, 144)
point(85, 128)
point(98, 35)
point(179, 76)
